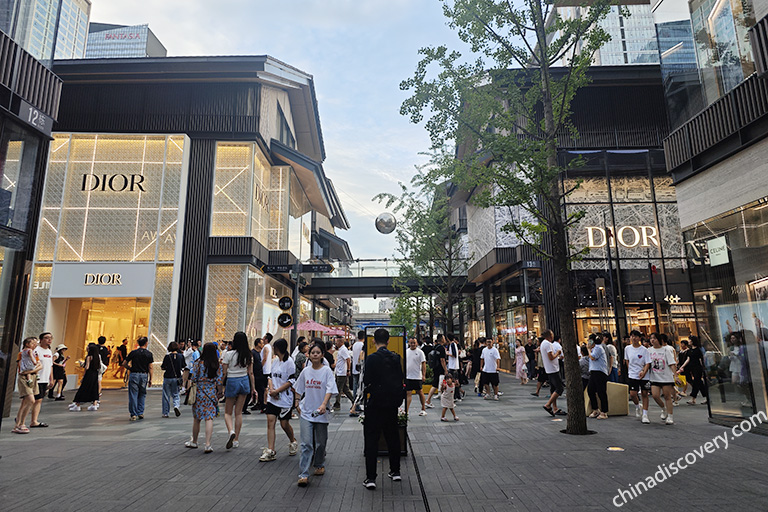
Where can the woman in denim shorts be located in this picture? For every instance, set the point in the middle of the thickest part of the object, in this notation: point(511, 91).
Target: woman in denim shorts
point(238, 370)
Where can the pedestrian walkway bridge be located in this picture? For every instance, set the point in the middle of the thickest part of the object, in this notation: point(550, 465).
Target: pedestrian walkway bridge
point(356, 278)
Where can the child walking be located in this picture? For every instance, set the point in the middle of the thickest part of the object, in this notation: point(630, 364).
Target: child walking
point(316, 384)
point(447, 389)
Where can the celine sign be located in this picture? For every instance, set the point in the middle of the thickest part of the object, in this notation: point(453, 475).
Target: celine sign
point(113, 182)
point(627, 236)
point(718, 251)
point(103, 279)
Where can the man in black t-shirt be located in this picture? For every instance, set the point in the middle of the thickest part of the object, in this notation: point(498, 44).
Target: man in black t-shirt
point(104, 355)
point(438, 368)
point(139, 362)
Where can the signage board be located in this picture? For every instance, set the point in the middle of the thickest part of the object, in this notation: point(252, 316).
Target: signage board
point(718, 251)
point(88, 280)
point(35, 117)
point(317, 267)
point(285, 303)
point(276, 269)
point(284, 320)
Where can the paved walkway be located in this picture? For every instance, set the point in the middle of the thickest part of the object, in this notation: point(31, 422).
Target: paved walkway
point(501, 456)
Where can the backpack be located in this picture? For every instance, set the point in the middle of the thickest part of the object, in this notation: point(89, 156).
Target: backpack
point(432, 358)
point(390, 392)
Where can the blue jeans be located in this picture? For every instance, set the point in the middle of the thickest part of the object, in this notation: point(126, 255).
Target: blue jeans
point(137, 392)
point(313, 437)
point(355, 383)
point(170, 392)
point(614, 375)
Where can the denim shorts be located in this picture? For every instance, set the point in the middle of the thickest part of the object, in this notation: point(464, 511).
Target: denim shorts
point(237, 386)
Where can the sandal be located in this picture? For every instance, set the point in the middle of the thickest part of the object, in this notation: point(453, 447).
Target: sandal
point(20, 430)
point(39, 425)
point(208, 449)
point(190, 444)
point(594, 414)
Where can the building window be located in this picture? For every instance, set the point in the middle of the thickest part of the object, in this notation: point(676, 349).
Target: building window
point(286, 137)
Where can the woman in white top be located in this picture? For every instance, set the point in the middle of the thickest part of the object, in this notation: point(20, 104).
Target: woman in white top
point(238, 373)
point(280, 400)
point(662, 372)
point(317, 384)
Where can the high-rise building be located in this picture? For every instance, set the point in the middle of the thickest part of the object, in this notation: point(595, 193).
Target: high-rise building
point(633, 37)
point(42, 26)
point(73, 29)
point(108, 41)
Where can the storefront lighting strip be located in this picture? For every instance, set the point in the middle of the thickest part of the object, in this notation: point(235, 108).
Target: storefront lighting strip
point(88, 198)
point(138, 206)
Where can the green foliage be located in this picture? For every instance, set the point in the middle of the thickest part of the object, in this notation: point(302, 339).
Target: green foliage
point(430, 251)
point(505, 121)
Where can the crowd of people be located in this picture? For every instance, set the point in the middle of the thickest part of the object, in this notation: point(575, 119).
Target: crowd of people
point(264, 376)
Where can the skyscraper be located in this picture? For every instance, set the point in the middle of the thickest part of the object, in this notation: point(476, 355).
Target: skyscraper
point(33, 25)
point(108, 41)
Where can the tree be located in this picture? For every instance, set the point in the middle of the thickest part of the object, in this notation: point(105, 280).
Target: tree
point(506, 122)
point(410, 308)
point(432, 253)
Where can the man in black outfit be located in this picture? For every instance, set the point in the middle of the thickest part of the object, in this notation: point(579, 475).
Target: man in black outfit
point(383, 380)
point(104, 355)
point(259, 381)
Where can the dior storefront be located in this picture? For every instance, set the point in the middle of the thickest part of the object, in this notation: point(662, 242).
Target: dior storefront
point(634, 273)
point(109, 245)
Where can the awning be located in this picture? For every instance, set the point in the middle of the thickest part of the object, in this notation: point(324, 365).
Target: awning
point(338, 248)
point(309, 173)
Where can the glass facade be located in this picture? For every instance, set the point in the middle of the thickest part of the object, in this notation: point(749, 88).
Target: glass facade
point(108, 200)
point(73, 29)
point(729, 273)
point(120, 43)
point(630, 229)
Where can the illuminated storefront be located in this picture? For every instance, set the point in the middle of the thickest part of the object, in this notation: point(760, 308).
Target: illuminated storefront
point(635, 279)
point(158, 221)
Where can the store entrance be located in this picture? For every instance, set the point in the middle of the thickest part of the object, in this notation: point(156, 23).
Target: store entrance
point(117, 319)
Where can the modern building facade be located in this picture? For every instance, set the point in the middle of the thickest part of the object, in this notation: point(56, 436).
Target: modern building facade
point(108, 41)
point(716, 158)
point(633, 275)
point(168, 189)
point(29, 104)
point(47, 29)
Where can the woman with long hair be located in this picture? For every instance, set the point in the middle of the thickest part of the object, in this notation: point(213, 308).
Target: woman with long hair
point(29, 366)
point(662, 371)
point(238, 371)
point(280, 400)
point(59, 372)
point(520, 369)
point(206, 374)
point(89, 385)
point(694, 368)
point(173, 367)
point(316, 385)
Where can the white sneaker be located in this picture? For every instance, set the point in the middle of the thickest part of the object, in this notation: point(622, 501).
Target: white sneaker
point(487, 397)
point(293, 448)
point(76, 408)
point(664, 414)
point(423, 413)
point(235, 444)
point(645, 419)
point(93, 407)
point(267, 455)
point(637, 411)
point(429, 405)
point(71, 406)
point(496, 397)
point(670, 421)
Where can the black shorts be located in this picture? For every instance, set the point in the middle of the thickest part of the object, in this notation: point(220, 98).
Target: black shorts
point(413, 384)
point(489, 378)
point(436, 380)
point(282, 413)
point(637, 384)
point(542, 375)
point(662, 384)
point(556, 383)
point(42, 389)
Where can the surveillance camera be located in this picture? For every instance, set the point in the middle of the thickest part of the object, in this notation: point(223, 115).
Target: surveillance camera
point(374, 296)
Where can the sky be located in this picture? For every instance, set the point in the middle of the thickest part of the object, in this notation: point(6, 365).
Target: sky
point(358, 52)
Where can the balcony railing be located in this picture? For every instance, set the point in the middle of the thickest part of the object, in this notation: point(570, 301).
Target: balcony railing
point(724, 118)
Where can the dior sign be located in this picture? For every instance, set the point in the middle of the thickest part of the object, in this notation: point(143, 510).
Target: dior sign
point(626, 236)
point(113, 182)
point(112, 279)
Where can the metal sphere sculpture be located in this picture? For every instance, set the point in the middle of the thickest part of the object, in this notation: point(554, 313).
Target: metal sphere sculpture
point(386, 223)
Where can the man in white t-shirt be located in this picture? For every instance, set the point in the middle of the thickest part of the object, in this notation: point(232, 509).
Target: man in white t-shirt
point(415, 370)
point(357, 360)
point(550, 356)
point(638, 363)
point(489, 364)
point(343, 371)
point(44, 376)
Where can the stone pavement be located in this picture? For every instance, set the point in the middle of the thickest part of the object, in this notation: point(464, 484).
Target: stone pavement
point(501, 456)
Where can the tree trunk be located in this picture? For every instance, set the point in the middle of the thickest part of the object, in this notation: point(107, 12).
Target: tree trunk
point(577, 417)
